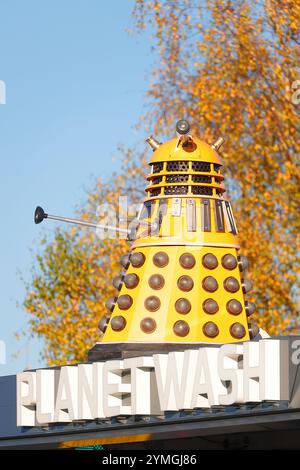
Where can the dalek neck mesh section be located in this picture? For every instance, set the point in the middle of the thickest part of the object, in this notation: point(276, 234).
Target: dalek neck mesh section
point(173, 178)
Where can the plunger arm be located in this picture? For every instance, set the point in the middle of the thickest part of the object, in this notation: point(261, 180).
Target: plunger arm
point(40, 215)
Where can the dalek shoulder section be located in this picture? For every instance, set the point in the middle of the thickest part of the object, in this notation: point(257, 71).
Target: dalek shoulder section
point(177, 220)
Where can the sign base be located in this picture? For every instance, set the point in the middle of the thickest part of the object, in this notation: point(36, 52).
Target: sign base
point(108, 351)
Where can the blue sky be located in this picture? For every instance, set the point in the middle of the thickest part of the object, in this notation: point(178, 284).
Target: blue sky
point(75, 88)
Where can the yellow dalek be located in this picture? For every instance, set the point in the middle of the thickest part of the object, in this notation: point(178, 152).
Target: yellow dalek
point(183, 280)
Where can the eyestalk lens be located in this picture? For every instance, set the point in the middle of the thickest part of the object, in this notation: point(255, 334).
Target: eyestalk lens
point(182, 127)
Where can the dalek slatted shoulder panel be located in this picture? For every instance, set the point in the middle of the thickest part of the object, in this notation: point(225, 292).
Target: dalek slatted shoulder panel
point(183, 280)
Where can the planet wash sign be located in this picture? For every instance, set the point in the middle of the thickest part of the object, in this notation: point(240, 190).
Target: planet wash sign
point(150, 385)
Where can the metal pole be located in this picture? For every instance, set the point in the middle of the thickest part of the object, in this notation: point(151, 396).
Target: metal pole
point(86, 224)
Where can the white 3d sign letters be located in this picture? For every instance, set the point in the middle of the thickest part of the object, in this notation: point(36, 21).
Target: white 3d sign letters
point(116, 391)
point(231, 374)
point(90, 380)
point(45, 395)
point(26, 398)
point(200, 378)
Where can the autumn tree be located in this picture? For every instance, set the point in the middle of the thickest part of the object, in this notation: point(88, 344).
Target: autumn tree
point(229, 67)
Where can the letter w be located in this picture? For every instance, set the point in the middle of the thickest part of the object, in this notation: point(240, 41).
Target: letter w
point(172, 375)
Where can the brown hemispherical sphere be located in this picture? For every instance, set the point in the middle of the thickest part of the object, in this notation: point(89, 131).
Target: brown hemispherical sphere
point(187, 260)
point(148, 325)
point(131, 280)
point(210, 306)
point(185, 283)
point(231, 284)
point(118, 323)
point(181, 328)
point(247, 285)
point(210, 261)
point(210, 329)
point(253, 329)
point(137, 259)
point(183, 306)
point(160, 259)
point(125, 260)
point(229, 262)
point(152, 303)
point(102, 324)
point(124, 302)
point(156, 281)
point(110, 303)
point(118, 281)
point(250, 308)
point(243, 263)
point(234, 307)
point(237, 330)
point(210, 284)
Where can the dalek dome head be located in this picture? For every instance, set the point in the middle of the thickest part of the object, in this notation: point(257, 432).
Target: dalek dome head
point(184, 147)
point(185, 166)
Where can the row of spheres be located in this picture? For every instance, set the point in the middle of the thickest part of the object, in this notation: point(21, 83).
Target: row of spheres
point(184, 283)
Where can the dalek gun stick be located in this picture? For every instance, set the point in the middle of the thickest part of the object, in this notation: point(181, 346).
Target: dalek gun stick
point(40, 215)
